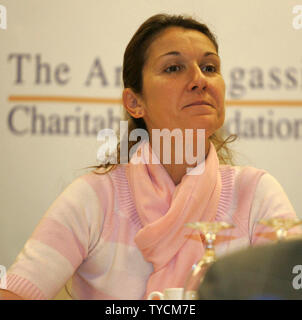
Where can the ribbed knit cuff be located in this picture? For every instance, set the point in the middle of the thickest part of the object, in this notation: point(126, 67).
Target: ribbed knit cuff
point(23, 288)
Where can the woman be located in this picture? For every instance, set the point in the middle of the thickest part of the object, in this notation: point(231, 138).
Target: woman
point(120, 234)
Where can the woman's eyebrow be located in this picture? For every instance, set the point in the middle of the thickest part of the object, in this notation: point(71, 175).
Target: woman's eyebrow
point(173, 53)
point(208, 53)
point(177, 53)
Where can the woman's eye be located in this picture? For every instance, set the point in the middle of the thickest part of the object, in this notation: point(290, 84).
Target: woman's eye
point(172, 69)
point(209, 68)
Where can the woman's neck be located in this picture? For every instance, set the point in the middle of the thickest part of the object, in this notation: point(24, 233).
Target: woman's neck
point(177, 171)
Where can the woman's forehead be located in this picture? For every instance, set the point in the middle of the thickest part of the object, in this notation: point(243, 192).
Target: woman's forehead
point(180, 40)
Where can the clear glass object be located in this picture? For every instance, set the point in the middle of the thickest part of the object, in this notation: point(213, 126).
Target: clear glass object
point(281, 225)
point(196, 275)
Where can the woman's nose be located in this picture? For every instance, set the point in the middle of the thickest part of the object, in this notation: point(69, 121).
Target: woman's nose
point(198, 80)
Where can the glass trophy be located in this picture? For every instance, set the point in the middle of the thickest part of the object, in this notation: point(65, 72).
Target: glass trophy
point(281, 225)
point(196, 275)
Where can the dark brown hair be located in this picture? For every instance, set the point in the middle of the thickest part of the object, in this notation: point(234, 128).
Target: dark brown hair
point(135, 57)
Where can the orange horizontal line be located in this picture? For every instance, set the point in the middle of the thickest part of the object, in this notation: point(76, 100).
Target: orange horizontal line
point(239, 103)
point(263, 103)
point(64, 99)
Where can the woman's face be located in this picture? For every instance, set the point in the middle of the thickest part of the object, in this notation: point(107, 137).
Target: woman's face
point(182, 84)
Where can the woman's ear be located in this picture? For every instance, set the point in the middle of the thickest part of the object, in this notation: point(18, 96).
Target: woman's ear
point(132, 104)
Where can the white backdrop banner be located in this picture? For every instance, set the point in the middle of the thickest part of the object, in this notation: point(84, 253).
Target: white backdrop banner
point(60, 83)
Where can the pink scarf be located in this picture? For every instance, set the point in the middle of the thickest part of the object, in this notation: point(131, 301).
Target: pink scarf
point(164, 208)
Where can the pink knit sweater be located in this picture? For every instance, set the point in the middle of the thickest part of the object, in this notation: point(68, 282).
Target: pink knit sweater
point(88, 234)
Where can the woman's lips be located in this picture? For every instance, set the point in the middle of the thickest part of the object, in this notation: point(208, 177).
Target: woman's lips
point(198, 103)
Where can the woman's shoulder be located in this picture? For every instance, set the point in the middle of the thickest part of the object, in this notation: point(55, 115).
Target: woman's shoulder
point(240, 169)
point(248, 174)
point(100, 180)
point(88, 193)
